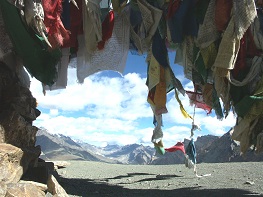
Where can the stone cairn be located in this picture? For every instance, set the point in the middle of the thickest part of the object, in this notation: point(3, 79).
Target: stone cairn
point(22, 172)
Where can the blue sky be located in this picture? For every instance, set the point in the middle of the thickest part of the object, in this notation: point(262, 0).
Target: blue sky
point(110, 108)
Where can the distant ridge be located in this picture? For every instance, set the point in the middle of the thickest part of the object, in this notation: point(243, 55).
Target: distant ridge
point(60, 147)
point(210, 149)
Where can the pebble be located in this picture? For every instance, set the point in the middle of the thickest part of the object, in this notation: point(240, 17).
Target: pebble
point(250, 182)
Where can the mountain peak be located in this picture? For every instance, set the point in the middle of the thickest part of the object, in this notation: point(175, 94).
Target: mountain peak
point(210, 149)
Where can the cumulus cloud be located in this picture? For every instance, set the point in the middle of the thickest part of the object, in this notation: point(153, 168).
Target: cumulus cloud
point(114, 110)
point(105, 106)
point(218, 127)
point(53, 112)
point(122, 97)
point(208, 123)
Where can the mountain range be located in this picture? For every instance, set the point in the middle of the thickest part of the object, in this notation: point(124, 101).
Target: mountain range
point(209, 148)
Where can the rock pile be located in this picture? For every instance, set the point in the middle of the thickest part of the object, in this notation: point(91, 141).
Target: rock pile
point(22, 173)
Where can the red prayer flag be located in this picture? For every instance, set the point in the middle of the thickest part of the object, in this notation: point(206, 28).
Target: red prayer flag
point(197, 99)
point(57, 33)
point(107, 28)
point(176, 147)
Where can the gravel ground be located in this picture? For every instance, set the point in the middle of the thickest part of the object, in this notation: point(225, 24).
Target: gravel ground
point(85, 178)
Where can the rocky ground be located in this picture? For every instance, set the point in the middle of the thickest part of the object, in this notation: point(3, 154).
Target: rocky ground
point(84, 178)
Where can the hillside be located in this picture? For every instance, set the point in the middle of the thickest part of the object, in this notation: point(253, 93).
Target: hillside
point(210, 149)
point(60, 147)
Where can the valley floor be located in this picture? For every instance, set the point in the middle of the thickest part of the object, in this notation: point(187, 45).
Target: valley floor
point(88, 179)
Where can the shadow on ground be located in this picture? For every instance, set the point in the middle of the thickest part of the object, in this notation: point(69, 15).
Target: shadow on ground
point(93, 188)
point(158, 177)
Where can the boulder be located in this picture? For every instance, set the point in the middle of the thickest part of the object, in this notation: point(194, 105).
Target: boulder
point(10, 163)
point(24, 189)
point(41, 186)
point(31, 155)
point(3, 188)
point(18, 107)
point(55, 188)
point(20, 133)
point(60, 164)
point(18, 153)
point(2, 134)
point(37, 174)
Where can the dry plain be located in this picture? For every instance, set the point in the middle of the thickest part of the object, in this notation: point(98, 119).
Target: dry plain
point(88, 179)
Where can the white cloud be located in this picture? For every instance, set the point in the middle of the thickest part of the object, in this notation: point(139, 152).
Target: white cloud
point(110, 110)
point(103, 96)
point(94, 131)
point(209, 123)
point(218, 127)
point(175, 134)
point(174, 114)
point(53, 112)
point(62, 124)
